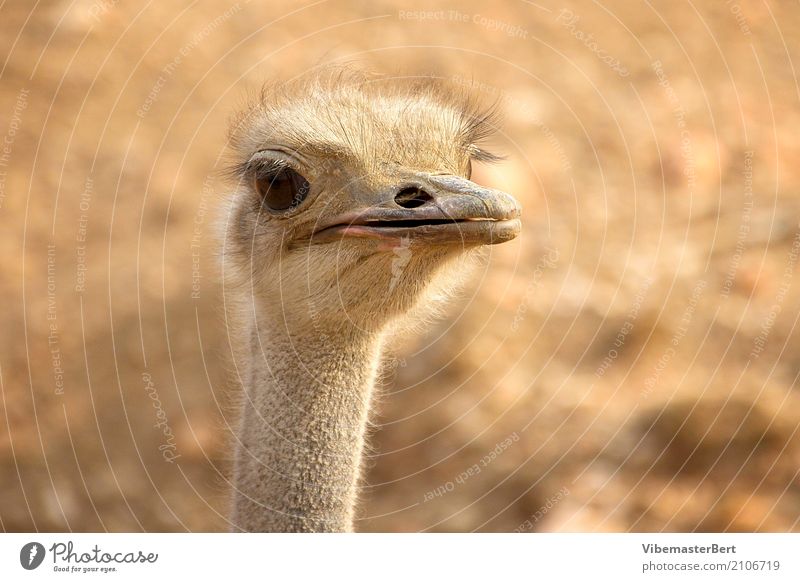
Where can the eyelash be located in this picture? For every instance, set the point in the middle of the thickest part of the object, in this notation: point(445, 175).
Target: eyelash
point(263, 168)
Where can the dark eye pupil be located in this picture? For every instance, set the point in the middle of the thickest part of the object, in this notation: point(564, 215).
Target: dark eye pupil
point(283, 190)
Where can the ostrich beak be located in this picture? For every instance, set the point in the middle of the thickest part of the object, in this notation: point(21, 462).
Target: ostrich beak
point(434, 209)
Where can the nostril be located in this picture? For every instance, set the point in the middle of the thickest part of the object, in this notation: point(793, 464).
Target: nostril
point(412, 197)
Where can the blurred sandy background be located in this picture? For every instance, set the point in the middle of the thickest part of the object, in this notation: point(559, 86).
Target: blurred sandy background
point(629, 363)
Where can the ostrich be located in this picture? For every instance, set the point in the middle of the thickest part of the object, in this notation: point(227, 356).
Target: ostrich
point(353, 215)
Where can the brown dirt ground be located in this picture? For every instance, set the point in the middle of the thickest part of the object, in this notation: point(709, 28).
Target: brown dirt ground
point(660, 195)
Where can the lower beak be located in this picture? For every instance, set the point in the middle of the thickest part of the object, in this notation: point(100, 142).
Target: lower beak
point(437, 210)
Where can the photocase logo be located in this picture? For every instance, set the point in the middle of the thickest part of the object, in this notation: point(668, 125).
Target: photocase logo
point(31, 555)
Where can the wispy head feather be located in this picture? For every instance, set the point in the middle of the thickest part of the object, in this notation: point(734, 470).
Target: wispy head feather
point(370, 119)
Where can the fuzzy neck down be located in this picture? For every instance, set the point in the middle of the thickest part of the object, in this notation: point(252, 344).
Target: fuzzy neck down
point(303, 421)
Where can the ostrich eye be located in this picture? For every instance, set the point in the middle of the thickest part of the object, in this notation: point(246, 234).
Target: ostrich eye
point(282, 190)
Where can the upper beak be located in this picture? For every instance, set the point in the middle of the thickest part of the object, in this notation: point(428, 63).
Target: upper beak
point(438, 209)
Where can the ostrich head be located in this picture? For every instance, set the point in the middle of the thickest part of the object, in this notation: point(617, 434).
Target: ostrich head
point(354, 196)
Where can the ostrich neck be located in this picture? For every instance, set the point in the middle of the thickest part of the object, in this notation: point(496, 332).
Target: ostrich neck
point(304, 416)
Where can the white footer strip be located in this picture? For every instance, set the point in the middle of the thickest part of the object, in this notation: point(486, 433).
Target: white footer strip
point(386, 557)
